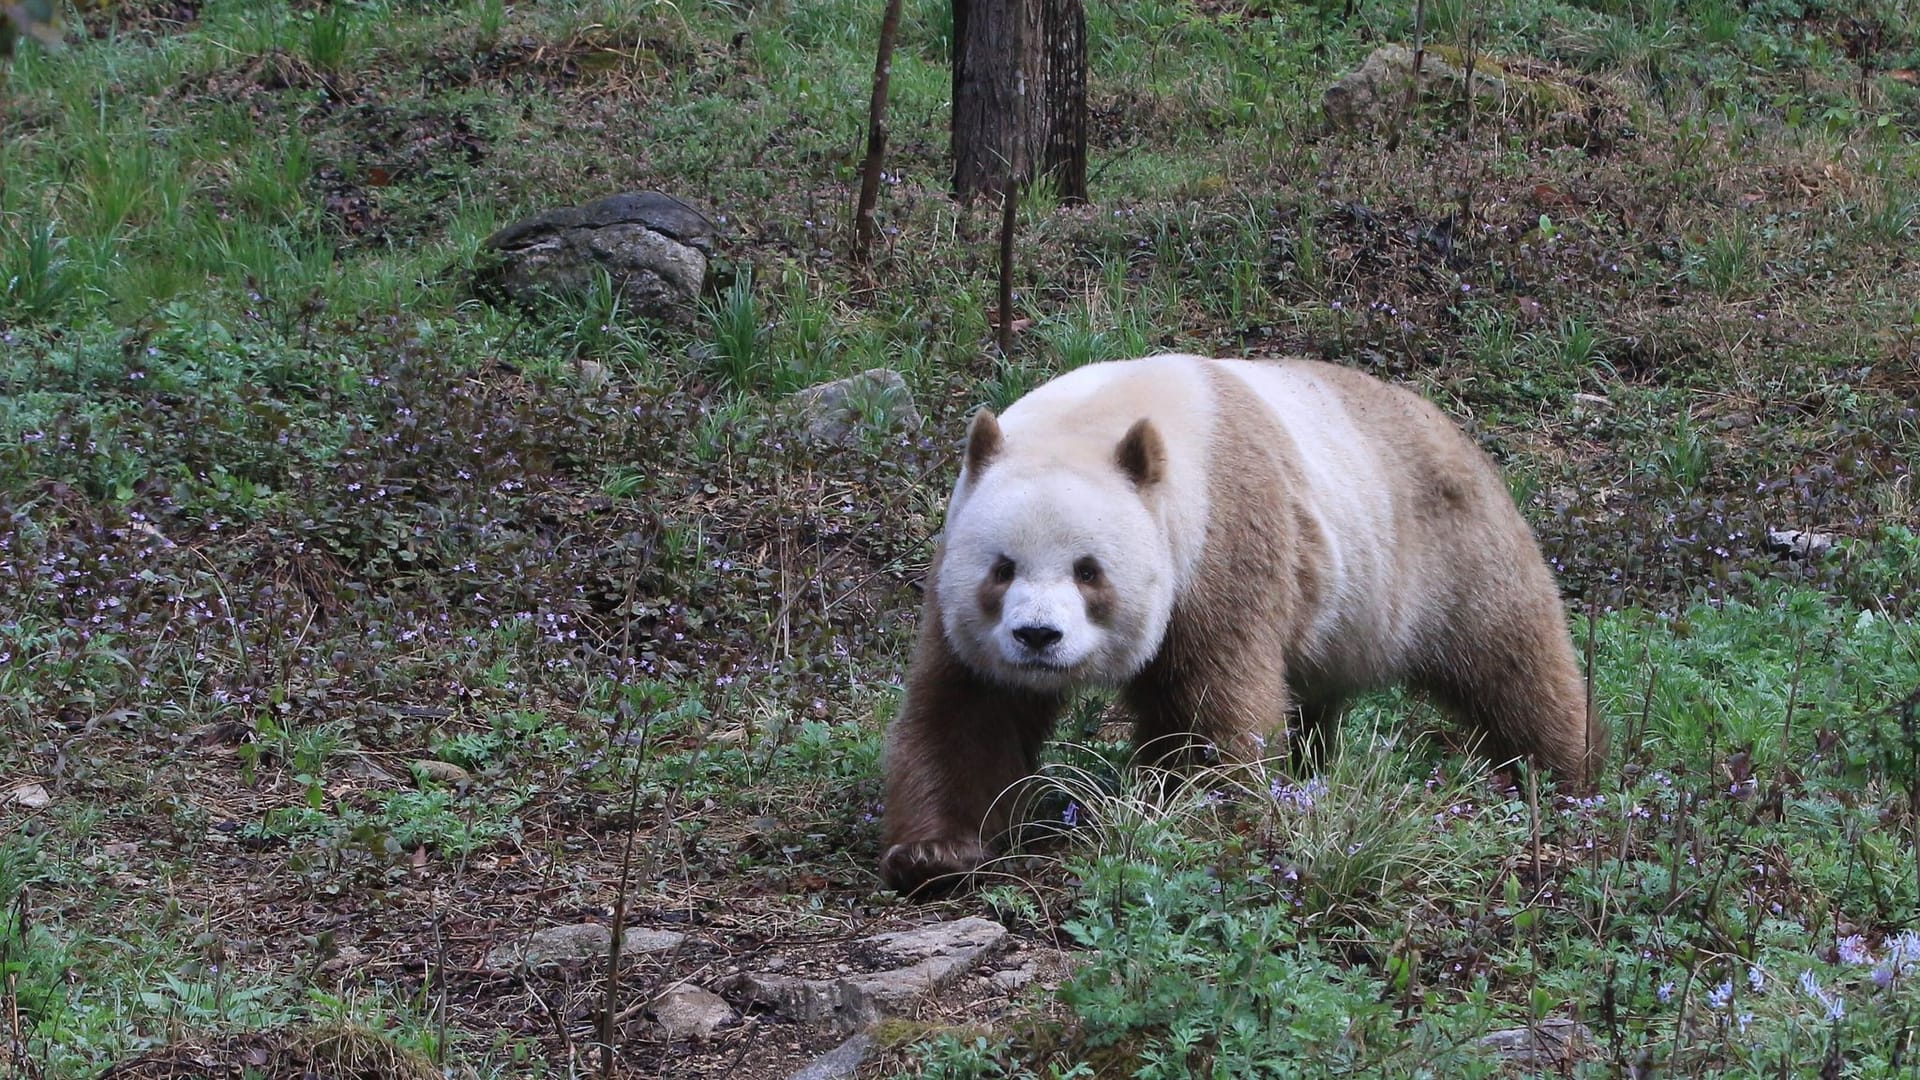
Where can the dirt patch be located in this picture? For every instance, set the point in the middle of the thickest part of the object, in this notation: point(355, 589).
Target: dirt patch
point(148, 19)
point(385, 161)
point(262, 82)
point(605, 60)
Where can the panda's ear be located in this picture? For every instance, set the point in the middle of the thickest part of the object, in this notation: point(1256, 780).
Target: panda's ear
point(1141, 454)
point(983, 441)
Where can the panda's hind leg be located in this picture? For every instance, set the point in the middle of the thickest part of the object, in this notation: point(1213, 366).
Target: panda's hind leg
point(1509, 671)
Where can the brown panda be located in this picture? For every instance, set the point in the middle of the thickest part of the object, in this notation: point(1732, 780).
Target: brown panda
point(1216, 539)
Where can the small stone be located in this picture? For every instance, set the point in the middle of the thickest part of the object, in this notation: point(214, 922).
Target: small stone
point(877, 398)
point(582, 941)
point(31, 796)
point(445, 772)
point(348, 958)
point(1544, 1045)
point(691, 1012)
point(591, 375)
point(1013, 978)
point(1796, 544)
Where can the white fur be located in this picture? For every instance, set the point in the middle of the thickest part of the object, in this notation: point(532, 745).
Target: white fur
point(1055, 494)
point(1350, 498)
point(1046, 518)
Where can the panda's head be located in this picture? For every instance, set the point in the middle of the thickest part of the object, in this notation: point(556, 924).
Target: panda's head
point(1056, 574)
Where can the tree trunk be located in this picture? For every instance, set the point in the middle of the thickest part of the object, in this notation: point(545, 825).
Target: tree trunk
point(864, 231)
point(1019, 96)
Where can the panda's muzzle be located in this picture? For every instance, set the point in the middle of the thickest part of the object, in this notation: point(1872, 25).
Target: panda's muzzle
point(1037, 636)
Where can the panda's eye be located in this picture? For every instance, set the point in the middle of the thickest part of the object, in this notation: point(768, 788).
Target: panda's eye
point(1086, 570)
point(1003, 571)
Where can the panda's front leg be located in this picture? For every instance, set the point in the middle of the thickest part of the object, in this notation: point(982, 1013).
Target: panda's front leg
point(960, 742)
point(1217, 698)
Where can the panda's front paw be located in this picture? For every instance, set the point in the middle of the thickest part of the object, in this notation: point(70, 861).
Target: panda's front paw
point(927, 868)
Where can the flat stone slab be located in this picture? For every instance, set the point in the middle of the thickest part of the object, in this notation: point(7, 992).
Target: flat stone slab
point(906, 964)
point(1544, 1045)
point(581, 941)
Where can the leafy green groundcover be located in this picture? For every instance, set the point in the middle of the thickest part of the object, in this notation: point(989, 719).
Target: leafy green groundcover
point(1732, 902)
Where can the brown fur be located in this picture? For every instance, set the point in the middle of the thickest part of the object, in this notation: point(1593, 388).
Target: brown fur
point(1489, 636)
point(1493, 644)
point(1141, 454)
point(1221, 673)
point(959, 744)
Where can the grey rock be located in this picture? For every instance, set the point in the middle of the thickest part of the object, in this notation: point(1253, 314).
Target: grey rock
point(30, 795)
point(808, 1001)
point(591, 375)
point(929, 957)
point(1548, 1043)
point(1013, 978)
point(969, 937)
point(663, 214)
point(1374, 93)
point(582, 941)
point(445, 772)
point(653, 248)
point(839, 1063)
point(1797, 544)
point(878, 398)
point(691, 1012)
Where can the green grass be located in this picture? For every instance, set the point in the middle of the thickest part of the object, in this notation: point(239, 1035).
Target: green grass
point(295, 530)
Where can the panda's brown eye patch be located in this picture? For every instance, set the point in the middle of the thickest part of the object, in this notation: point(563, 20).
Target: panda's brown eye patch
point(1003, 571)
point(1097, 590)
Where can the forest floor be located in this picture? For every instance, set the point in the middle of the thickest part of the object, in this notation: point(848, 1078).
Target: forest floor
point(352, 627)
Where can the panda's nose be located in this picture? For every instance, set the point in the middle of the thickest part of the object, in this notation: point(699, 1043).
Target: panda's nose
point(1036, 637)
